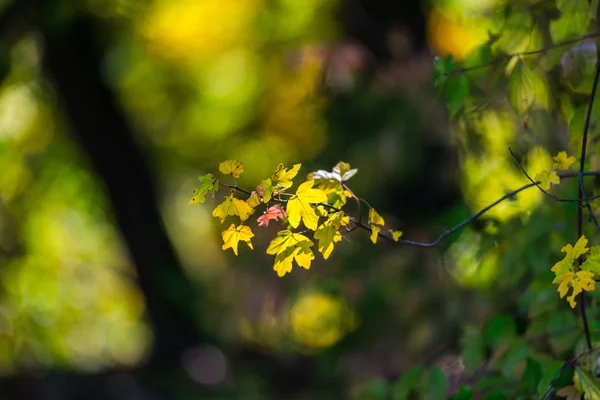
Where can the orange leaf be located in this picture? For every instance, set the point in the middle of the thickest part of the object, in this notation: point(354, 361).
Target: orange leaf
point(274, 213)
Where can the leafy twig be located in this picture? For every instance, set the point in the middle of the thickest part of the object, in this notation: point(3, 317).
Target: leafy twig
point(521, 54)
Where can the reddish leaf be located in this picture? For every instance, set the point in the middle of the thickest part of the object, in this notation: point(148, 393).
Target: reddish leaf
point(274, 213)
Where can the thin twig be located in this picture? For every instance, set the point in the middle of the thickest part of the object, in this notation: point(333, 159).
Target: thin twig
point(521, 54)
point(582, 198)
point(567, 364)
point(537, 184)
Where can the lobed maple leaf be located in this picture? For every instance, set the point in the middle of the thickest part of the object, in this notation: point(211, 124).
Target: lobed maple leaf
point(546, 179)
point(232, 236)
point(288, 247)
point(282, 178)
point(233, 206)
point(208, 184)
point(232, 167)
point(562, 162)
point(273, 213)
point(299, 206)
point(265, 190)
point(328, 233)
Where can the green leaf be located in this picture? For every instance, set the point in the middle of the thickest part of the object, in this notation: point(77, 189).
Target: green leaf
point(464, 393)
point(376, 389)
point(515, 35)
point(208, 184)
point(574, 20)
point(490, 382)
point(532, 375)
point(589, 384)
point(499, 330)
point(480, 55)
point(457, 91)
point(527, 89)
point(436, 385)
point(442, 67)
point(550, 373)
point(499, 394)
point(409, 380)
point(516, 355)
point(592, 263)
point(473, 347)
point(561, 321)
point(578, 64)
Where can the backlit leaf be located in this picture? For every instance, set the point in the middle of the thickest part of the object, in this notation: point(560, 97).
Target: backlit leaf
point(375, 218)
point(233, 206)
point(282, 178)
point(232, 167)
point(396, 235)
point(208, 184)
point(547, 179)
point(562, 162)
point(527, 89)
point(328, 233)
point(589, 384)
point(253, 200)
point(232, 236)
point(265, 189)
point(288, 247)
point(299, 206)
point(273, 213)
point(375, 233)
point(574, 20)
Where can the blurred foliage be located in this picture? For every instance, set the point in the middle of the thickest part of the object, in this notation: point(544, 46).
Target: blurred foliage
point(270, 82)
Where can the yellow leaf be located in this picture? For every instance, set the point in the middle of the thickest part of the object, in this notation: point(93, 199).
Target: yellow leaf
point(375, 233)
point(546, 179)
point(232, 167)
point(233, 206)
point(288, 246)
point(562, 162)
point(299, 206)
point(282, 177)
point(574, 253)
point(232, 236)
point(375, 218)
point(253, 200)
point(396, 235)
point(328, 233)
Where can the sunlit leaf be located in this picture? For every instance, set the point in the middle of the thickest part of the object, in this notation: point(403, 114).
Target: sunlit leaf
point(288, 247)
point(375, 218)
point(589, 384)
point(299, 206)
point(208, 184)
point(527, 88)
point(282, 178)
point(233, 235)
point(562, 162)
point(265, 189)
point(547, 179)
point(375, 233)
point(574, 20)
point(253, 200)
point(396, 235)
point(328, 233)
point(232, 167)
point(274, 213)
point(233, 206)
